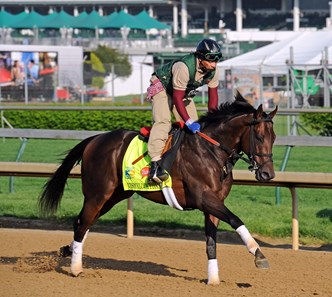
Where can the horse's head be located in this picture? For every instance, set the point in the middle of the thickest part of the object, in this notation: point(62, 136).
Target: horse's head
point(257, 142)
point(238, 126)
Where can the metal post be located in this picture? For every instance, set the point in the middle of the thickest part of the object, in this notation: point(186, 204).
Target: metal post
point(141, 77)
point(296, 15)
point(206, 22)
point(306, 92)
point(130, 218)
point(288, 97)
point(295, 219)
point(261, 94)
point(291, 59)
point(175, 19)
point(113, 77)
point(326, 77)
point(239, 15)
point(18, 157)
point(83, 91)
point(184, 19)
point(282, 168)
point(25, 84)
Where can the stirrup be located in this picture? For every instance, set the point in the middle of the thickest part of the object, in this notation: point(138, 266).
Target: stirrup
point(158, 174)
point(160, 178)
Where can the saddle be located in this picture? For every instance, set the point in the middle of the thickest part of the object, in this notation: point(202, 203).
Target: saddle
point(172, 144)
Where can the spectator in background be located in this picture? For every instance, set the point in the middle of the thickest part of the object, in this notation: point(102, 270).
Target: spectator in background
point(32, 73)
point(46, 72)
point(17, 74)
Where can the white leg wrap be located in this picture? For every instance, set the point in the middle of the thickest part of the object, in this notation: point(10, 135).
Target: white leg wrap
point(76, 258)
point(248, 240)
point(85, 236)
point(213, 272)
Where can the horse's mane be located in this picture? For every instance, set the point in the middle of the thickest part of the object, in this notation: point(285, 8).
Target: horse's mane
point(228, 110)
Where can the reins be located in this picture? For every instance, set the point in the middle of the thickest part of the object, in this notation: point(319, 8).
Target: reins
point(252, 152)
point(223, 147)
point(211, 140)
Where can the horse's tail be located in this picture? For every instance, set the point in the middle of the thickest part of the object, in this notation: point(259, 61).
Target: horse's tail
point(50, 198)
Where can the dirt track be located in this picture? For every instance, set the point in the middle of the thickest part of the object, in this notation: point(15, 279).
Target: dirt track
point(158, 267)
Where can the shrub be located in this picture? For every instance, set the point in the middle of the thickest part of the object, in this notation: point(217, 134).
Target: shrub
point(79, 120)
point(320, 122)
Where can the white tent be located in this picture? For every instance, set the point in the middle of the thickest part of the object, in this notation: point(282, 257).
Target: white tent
point(308, 48)
point(303, 51)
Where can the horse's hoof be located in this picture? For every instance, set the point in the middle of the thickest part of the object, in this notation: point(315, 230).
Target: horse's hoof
point(260, 261)
point(65, 251)
point(213, 281)
point(76, 269)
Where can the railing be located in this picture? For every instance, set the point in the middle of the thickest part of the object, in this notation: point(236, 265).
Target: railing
point(291, 180)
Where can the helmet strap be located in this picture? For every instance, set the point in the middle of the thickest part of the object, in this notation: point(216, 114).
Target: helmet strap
point(201, 66)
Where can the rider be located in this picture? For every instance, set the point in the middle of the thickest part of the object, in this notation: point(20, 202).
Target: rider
point(171, 91)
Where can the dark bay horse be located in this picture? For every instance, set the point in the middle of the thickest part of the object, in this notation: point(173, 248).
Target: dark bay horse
point(237, 128)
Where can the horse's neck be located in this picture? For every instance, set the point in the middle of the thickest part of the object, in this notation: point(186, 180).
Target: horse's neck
point(227, 134)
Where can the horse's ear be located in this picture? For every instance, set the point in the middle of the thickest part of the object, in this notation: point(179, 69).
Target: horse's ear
point(259, 112)
point(273, 113)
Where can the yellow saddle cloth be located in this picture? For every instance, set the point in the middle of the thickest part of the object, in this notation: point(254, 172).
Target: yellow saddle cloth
point(135, 173)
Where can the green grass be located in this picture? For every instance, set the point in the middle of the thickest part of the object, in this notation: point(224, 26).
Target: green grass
point(254, 205)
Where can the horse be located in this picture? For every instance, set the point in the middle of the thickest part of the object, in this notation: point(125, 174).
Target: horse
point(238, 131)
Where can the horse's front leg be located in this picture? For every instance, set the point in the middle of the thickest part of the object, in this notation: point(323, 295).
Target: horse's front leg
point(253, 247)
point(218, 209)
point(211, 225)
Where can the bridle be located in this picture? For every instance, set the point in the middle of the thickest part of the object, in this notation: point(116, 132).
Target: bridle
point(253, 165)
point(252, 146)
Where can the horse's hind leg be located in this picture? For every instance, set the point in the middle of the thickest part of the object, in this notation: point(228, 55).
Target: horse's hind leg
point(89, 214)
point(86, 218)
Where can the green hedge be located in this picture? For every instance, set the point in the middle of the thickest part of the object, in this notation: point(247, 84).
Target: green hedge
point(322, 123)
point(79, 120)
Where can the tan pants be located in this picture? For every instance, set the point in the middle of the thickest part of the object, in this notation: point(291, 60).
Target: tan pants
point(162, 114)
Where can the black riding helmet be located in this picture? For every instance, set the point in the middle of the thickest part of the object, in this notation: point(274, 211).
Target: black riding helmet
point(208, 49)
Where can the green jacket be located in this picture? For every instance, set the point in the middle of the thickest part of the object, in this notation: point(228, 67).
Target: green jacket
point(164, 74)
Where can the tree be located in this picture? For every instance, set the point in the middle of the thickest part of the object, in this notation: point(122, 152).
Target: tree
point(100, 65)
point(110, 56)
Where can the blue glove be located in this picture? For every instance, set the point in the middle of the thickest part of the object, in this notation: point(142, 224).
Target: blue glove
point(193, 126)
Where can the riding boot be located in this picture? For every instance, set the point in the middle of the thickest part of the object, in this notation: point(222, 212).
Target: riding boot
point(157, 173)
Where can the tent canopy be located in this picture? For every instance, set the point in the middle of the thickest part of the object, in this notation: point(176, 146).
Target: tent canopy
point(150, 22)
point(93, 20)
point(308, 48)
point(123, 19)
point(7, 20)
point(34, 20)
point(60, 19)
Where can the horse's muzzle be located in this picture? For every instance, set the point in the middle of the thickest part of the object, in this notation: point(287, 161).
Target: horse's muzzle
point(264, 176)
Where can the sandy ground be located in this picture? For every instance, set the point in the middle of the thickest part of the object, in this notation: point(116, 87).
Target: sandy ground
point(148, 266)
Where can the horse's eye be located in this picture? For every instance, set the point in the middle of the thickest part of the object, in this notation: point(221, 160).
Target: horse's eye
point(260, 138)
